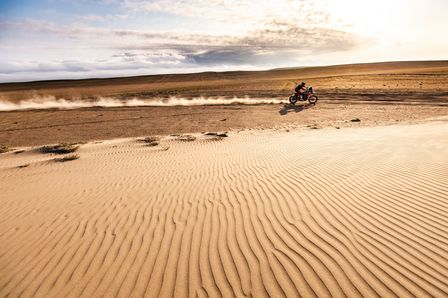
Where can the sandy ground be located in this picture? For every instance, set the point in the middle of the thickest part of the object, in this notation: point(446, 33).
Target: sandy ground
point(345, 198)
point(377, 94)
point(351, 212)
point(38, 127)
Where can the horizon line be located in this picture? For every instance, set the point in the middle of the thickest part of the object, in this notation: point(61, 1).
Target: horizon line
point(225, 71)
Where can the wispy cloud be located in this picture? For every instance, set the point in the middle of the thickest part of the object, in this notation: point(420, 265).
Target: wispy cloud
point(304, 12)
point(271, 34)
point(103, 18)
point(274, 35)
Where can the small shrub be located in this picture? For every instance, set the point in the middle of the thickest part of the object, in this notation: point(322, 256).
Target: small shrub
point(222, 134)
point(153, 144)
point(186, 138)
point(151, 141)
point(67, 158)
point(62, 148)
point(4, 149)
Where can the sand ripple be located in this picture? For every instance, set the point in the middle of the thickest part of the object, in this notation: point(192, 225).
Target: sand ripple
point(352, 212)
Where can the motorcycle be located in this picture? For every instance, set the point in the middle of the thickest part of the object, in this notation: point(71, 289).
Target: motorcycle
point(308, 95)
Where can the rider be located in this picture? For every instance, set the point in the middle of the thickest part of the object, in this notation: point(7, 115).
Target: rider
point(301, 89)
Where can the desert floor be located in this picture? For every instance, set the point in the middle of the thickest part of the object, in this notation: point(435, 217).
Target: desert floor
point(38, 127)
point(348, 197)
point(377, 94)
point(350, 212)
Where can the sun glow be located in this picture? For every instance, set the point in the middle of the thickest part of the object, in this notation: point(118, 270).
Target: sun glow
point(377, 18)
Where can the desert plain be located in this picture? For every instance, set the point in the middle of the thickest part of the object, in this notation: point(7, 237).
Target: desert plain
point(212, 185)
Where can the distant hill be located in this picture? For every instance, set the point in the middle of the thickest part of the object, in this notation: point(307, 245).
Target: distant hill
point(362, 76)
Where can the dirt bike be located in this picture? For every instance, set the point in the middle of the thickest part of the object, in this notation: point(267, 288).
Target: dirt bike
point(308, 95)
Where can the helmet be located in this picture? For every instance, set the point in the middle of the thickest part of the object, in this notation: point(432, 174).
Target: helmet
point(303, 83)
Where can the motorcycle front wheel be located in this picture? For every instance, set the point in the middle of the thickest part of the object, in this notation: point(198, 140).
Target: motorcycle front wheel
point(292, 99)
point(312, 99)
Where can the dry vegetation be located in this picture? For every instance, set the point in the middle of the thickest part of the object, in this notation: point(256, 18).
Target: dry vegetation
point(4, 149)
point(63, 148)
point(186, 138)
point(67, 158)
point(218, 134)
point(150, 141)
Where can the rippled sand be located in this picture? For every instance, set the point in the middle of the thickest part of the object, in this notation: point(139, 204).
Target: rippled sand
point(354, 212)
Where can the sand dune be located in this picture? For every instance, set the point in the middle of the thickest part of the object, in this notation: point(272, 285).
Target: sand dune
point(352, 212)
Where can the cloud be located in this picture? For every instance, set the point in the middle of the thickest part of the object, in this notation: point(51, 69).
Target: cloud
point(249, 15)
point(131, 52)
point(225, 56)
point(304, 11)
point(272, 34)
point(103, 18)
point(276, 34)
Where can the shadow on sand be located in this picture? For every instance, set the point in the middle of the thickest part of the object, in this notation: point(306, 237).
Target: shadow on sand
point(288, 108)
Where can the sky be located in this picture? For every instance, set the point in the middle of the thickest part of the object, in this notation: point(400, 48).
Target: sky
point(71, 39)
